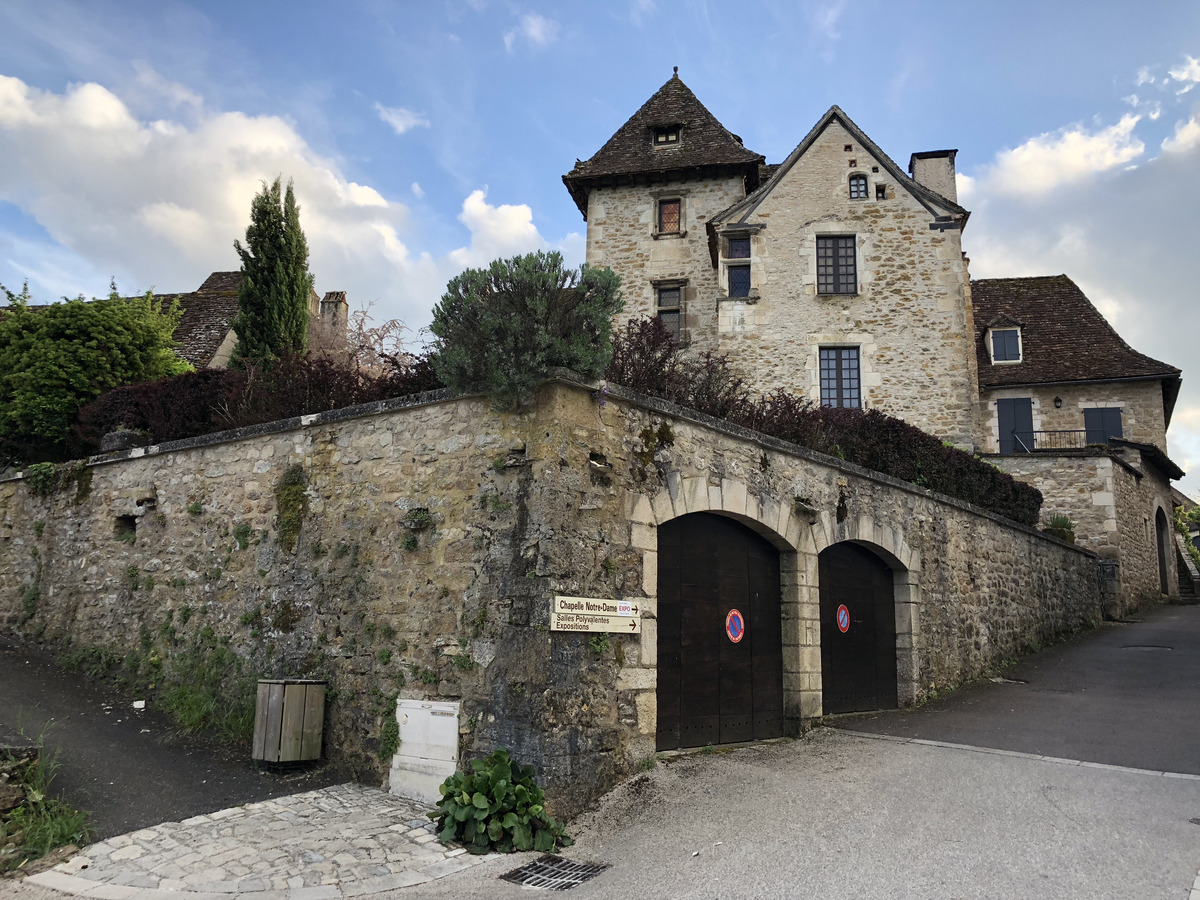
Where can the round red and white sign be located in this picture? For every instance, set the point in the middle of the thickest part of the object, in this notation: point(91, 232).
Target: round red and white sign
point(843, 619)
point(735, 625)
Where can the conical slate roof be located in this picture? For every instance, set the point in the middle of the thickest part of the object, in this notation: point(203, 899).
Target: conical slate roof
point(703, 143)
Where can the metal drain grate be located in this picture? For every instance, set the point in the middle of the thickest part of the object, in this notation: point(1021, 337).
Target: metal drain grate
point(551, 873)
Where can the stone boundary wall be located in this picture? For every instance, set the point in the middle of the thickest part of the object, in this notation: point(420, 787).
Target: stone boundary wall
point(412, 548)
point(1112, 503)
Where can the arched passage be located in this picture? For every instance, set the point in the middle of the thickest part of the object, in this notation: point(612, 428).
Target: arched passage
point(1163, 540)
point(720, 657)
point(858, 630)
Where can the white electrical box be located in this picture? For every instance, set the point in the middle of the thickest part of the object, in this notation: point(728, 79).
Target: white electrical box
point(428, 752)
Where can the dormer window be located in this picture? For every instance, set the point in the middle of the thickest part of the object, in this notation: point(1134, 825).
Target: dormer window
point(667, 136)
point(858, 187)
point(1005, 345)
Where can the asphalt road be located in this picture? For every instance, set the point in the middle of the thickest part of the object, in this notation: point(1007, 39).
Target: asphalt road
point(1127, 694)
point(128, 767)
point(840, 814)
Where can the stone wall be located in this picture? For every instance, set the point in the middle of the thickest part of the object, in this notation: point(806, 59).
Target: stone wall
point(1111, 501)
point(414, 548)
point(1140, 402)
point(622, 222)
point(911, 318)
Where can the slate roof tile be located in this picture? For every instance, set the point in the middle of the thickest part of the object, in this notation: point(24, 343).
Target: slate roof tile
point(704, 142)
point(1063, 337)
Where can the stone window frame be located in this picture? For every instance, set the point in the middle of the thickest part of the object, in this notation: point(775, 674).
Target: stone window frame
point(728, 262)
point(858, 181)
point(991, 346)
point(833, 236)
point(668, 195)
point(824, 349)
point(657, 286)
point(1118, 405)
point(993, 412)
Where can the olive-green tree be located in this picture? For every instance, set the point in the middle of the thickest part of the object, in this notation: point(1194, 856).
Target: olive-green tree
point(55, 358)
point(272, 319)
point(504, 327)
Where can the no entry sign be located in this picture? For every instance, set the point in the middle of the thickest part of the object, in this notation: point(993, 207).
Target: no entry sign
point(843, 619)
point(735, 625)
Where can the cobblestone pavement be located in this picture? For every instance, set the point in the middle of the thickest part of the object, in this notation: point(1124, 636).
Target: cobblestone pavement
point(342, 841)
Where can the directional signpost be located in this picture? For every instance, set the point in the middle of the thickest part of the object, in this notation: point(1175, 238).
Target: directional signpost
point(595, 614)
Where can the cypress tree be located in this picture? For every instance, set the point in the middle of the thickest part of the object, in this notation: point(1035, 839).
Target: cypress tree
point(272, 320)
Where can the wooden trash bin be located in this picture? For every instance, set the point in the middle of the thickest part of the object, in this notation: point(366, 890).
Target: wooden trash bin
point(288, 719)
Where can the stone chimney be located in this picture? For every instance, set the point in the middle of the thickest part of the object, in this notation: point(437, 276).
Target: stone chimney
point(935, 170)
point(335, 313)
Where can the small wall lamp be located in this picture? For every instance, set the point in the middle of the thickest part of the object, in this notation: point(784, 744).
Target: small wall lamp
point(1058, 402)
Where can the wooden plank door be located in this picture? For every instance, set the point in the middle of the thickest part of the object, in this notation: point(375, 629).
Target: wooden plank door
point(858, 664)
point(712, 689)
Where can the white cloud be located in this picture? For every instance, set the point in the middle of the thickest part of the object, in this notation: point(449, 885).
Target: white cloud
point(401, 119)
point(1144, 76)
point(824, 17)
point(1186, 71)
point(496, 231)
point(1186, 137)
point(1139, 276)
point(537, 30)
point(159, 203)
point(417, 190)
point(1051, 160)
point(640, 10)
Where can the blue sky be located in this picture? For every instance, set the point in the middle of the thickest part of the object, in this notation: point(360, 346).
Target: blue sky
point(426, 137)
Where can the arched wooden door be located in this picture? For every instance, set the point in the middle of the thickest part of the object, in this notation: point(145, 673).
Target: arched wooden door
point(720, 639)
point(1163, 536)
point(858, 631)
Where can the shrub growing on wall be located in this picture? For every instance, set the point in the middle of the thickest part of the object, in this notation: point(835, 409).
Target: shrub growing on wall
point(55, 358)
point(647, 359)
point(215, 400)
point(506, 326)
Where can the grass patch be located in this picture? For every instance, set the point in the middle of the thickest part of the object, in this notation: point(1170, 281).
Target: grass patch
point(43, 822)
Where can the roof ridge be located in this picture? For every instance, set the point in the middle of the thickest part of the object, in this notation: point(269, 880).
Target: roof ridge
point(747, 206)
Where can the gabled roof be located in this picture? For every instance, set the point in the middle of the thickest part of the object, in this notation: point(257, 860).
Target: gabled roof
point(704, 143)
point(1063, 338)
point(928, 198)
point(208, 314)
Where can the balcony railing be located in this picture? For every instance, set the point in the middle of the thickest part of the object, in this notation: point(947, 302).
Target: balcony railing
point(1034, 441)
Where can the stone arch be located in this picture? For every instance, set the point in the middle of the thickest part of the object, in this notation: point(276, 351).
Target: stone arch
point(887, 541)
point(1162, 543)
point(773, 520)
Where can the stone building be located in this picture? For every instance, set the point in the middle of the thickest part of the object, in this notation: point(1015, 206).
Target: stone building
point(1068, 406)
point(205, 336)
point(842, 277)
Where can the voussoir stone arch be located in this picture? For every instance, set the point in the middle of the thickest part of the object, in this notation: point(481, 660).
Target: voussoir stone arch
point(730, 497)
point(885, 538)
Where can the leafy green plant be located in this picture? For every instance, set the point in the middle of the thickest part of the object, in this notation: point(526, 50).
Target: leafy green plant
point(1061, 527)
point(241, 534)
point(464, 662)
point(38, 528)
point(195, 508)
point(497, 806)
point(599, 644)
point(411, 542)
point(506, 326)
point(389, 738)
point(42, 478)
point(42, 822)
point(384, 656)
